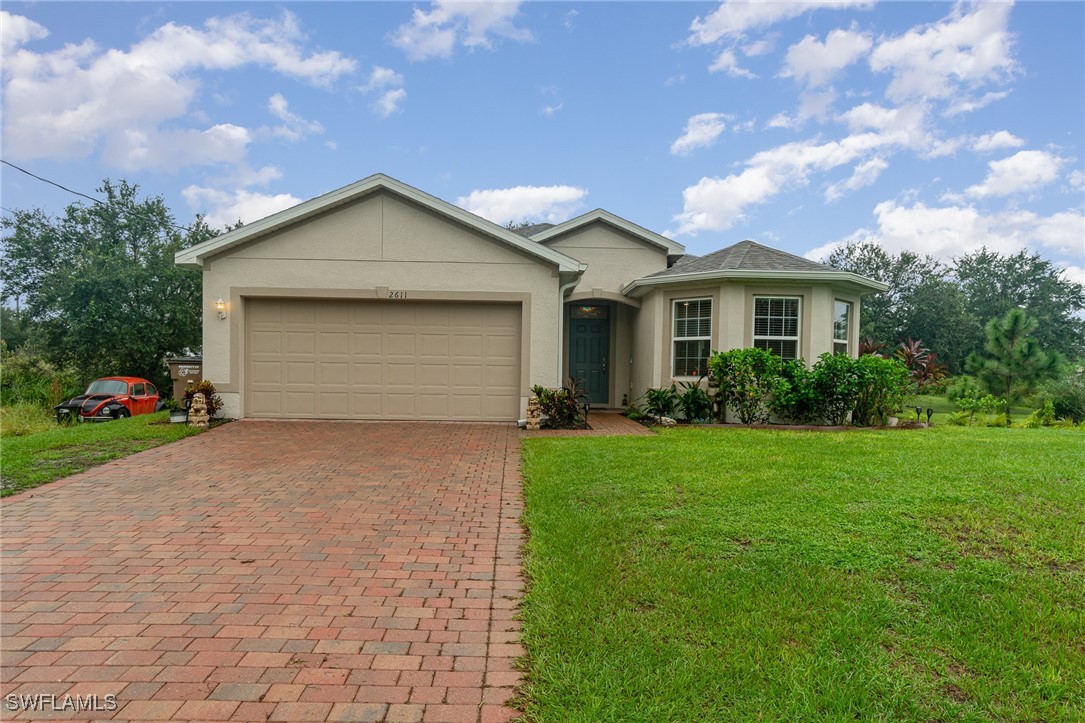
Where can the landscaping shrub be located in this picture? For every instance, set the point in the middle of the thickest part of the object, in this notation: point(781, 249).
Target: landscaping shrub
point(746, 379)
point(835, 380)
point(1044, 417)
point(795, 396)
point(693, 400)
point(561, 408)
point(986, 405)
point(963, 386)
point(206, 388)
point(660, 402)
point(884, 386)
point(1067, 395)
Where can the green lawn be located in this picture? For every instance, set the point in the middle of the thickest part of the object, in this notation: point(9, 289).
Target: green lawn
point(738, 574)
point(41, 457)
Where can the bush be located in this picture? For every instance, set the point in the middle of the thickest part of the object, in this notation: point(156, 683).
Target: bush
point(884, 386)
point(27, 378)
point(561, 408)
point(795, 396)
point(835, 380)
point(1067, 395)
point(693, 400)
point(986, 405)
point(1044, 417)
point(660, 402)
point(207, 389)
point(746, 379)
point(963, 386)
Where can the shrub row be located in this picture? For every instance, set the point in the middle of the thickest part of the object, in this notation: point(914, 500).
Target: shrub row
point(757, 386)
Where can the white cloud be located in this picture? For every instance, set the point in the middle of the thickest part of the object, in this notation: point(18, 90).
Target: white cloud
point(996, 141)
point(1076, 179)
point(294, 127)
point(948, 231)
point(70, 102)
point(169, 150)
point(726, 62)
point(388, 85)
point(569, 19)
point(15, 30)
point(1072, 273)
point(381, 78)
point(675, 80)
point(968, 104)
point(702, 130)
point(553, 204)
point(865, 174)
point(764, 46)
point(548, 111)
point(1023, 171)
point(814, 63)
point(389, 102)
point(968, 49)
point(733, 18)
point(222, 208)
point(434, 34)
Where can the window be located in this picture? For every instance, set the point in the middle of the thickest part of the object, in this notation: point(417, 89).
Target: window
point(138, 390)
point(151, 391)
point(692, 336)
point(841, 324)
point(776, 325)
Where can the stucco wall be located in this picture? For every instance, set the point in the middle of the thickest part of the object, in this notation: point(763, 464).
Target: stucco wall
point(367, 250)
point(614, 257)
point(732, 325)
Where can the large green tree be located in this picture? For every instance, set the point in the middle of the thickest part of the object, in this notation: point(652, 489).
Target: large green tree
point(100, 285)
point(995, 283)
point(1014, 362)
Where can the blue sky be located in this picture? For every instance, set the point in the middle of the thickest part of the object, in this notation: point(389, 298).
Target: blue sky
point(933, 127)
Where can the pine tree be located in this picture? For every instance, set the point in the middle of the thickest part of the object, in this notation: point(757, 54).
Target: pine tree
point(1014, 363)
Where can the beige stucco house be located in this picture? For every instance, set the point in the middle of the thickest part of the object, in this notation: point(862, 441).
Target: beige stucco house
point(379, 301)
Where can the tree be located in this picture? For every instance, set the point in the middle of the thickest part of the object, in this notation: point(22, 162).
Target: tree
point(885, 315)
point(1015, 363)
point(995, 283)
point(100, 286)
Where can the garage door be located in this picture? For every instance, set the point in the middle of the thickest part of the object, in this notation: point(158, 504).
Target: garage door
point(382, 360)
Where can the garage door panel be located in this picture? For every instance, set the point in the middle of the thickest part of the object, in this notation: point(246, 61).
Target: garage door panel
point(374, 360)
point(334, 373)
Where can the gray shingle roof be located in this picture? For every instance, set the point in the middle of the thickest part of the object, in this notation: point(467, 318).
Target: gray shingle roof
point(743, 256)
point(529, 231)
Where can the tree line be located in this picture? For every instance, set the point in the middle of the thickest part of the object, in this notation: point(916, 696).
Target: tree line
point(949, 305)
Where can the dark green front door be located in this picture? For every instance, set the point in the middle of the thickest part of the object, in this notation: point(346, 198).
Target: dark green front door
point(589, 350)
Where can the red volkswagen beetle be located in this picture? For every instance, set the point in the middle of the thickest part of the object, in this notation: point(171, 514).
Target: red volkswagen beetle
point(110, 398)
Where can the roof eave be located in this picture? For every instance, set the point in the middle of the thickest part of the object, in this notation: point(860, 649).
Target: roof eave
point(639, 287)
point(195, 256)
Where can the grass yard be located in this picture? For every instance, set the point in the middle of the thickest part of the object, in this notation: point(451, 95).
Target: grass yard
point(36, 459)
point(740, 575)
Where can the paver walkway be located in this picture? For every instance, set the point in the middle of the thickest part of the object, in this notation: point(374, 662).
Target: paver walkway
point(284, 571)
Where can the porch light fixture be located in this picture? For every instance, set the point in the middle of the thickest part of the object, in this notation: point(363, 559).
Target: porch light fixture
point(220, 307)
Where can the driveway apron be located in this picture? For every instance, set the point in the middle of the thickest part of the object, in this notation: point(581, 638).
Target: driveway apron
point(283, 571)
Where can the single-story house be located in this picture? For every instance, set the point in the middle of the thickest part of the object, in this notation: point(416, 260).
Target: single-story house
point(380, 301)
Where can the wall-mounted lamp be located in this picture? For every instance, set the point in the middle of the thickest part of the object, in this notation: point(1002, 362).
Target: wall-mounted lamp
point(220, 307)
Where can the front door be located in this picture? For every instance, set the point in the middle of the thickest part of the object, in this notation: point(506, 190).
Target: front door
point(589, 350)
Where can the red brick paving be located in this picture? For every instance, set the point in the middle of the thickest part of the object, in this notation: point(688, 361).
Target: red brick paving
point(281, 571)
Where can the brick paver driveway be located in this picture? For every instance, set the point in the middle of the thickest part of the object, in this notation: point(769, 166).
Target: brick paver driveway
point(282, 571)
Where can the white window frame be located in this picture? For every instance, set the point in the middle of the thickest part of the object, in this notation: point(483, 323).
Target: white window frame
point(798, 323)
point(846, 341)
point(674, 331)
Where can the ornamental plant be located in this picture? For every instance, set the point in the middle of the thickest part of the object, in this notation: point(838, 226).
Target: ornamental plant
point(693, 400)
point(660, 402)
point(836, 385)
point(207, 389)
point(795, 398)
point(884, 386)
point(746, 380)
point(561, 408)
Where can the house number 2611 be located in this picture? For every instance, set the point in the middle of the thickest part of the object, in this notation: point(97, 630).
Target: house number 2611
point(397, 294)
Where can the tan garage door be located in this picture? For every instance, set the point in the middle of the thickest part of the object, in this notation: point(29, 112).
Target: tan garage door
point(382, 360)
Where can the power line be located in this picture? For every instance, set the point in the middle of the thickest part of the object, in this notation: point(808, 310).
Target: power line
point(69, 190)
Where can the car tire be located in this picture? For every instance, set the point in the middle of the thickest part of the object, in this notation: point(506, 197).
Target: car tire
point(122, 413)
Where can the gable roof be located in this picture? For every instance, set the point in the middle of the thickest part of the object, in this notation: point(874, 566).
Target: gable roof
point(670, 246)
point(529, 231)
point(750, 260)
point(196, 255)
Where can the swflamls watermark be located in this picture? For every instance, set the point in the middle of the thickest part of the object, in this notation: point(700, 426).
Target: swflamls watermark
point(52, 703)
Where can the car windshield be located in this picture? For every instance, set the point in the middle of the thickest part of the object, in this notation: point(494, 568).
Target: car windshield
point(107, 386)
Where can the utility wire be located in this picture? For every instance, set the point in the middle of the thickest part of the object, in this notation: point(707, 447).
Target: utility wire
point(69, 190)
